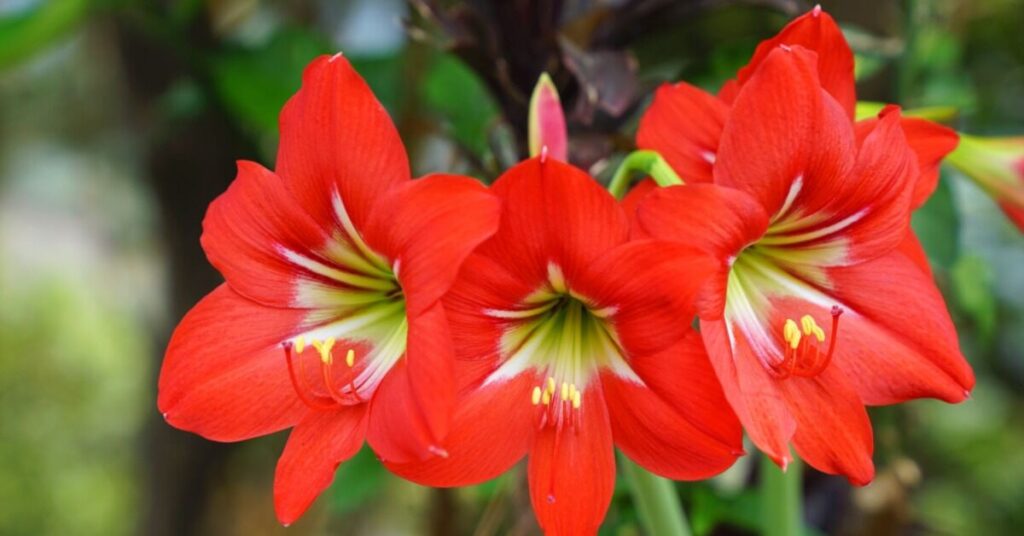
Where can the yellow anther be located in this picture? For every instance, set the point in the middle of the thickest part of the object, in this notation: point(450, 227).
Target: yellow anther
point(300, 344)
point(576, 400)
point(572, 391)
point(819, 334)
point(789, 330)
point(350, 357)
point(794, 340)
point(565, 391)
point(545, 397)
point(324, 348)
point(551, 384)
point(807, 322)
point(536, 396)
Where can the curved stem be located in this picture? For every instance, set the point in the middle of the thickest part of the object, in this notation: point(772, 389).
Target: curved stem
point(781, 499)
point(656, 500)
point(642, 162)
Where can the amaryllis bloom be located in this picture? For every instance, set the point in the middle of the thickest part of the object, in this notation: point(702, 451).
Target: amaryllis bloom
point(997, 165)
point(823, 314)
point(329, 320)
point(684, 123)
point(571, 341)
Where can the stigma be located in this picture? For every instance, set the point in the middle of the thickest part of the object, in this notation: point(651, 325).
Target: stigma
point(804, 355)
point(332, 395)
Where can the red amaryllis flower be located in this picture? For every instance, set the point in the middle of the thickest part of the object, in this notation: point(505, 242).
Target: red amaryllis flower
point(571, 340)
point(330, 320)
point(822, 312)
point(684, 123)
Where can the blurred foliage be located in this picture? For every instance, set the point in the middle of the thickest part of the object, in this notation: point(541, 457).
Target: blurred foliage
point(76, 364)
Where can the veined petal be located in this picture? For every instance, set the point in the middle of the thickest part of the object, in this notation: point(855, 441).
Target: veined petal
point(653, 434)
point(338, 141)
point(684, 124)
point(553, 212)
point(900, 342)
point(572, 471)
point(702, 402)
point(491, 430)
point(224, 375)
point(431, 361)
point(719, 221)
point(767, 138)
point(912, 249)
point(817, 31)
point(247, 227)
point(631, 203)
point(751, 392)
point(314, 450)
point(931, 142)
point(833, 432)
point(427, 228)
point(397, 429)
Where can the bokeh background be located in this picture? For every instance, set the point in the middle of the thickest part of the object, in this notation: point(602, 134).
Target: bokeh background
point(121, 119)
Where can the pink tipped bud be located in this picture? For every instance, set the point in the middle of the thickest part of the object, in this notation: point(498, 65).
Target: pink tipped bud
point(997, 165)
point(547, 121)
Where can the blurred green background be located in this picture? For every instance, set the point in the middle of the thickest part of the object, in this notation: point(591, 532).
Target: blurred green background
point(120, 120)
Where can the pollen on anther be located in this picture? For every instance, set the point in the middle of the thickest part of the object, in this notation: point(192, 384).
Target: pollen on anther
point(300, 344)
point(546, 397)
point(551, 384)
point(350, 357)
point(565, 391)
point(576, 400)
point(324, 349)
point(535, 398)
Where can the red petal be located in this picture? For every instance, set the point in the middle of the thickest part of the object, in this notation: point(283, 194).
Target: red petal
point(702, 402)
point(752, 393)
point(684, 124)
point(652, 287)
point(572, 471)
point(553, 212)
point(631, 203)
point(431, 372)
point(912, 249)
point(397, 428)
point(766, 142)
point(880, 189)
point(898, 341)
point(336, 137)
point(428, 227)
point(930, 142)
point(224, 375)
point(314, 450)
point(491, 430)
point(246, 226)
point(720, 221)
point(816, 31)
point(667, 431)
point(833, 432)
point(1014, 213)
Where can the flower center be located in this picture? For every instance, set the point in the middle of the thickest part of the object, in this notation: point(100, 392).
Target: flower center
point(757, 283)
point(565, 339)
point(354, 299)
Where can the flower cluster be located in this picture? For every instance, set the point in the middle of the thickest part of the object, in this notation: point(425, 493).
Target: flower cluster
point(459, 328)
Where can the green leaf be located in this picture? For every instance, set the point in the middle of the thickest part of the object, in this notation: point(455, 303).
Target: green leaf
point(937, 225)
point(453, 91)
point(254, 83)
point(25, 32)
point(357, 481)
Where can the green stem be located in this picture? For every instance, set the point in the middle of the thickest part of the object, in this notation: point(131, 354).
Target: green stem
point(644, 162)
point(656, 499)
point(781, 499)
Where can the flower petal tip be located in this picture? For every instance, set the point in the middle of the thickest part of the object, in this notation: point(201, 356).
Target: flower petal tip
point(437, 451)
point(816, 11)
